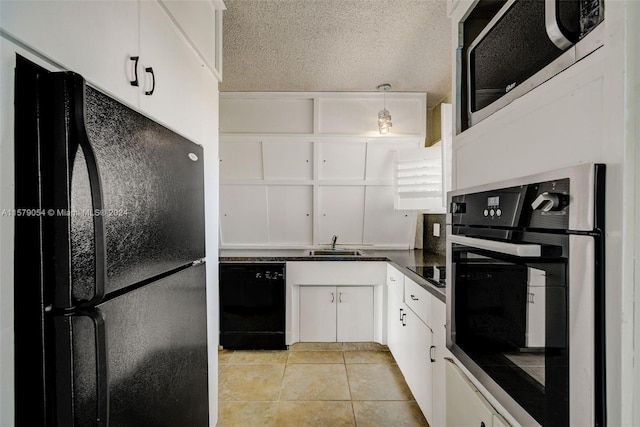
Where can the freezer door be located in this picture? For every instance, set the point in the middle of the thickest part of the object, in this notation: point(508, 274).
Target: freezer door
point(153, 370)
point(113, 198)
point(152, 186)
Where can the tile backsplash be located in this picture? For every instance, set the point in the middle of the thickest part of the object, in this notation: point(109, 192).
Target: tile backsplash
point(429, 241)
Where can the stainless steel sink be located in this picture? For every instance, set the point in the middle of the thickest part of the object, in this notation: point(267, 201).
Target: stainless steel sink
point(335, 252)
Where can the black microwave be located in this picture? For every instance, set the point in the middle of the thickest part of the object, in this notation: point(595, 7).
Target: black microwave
point(526, 43)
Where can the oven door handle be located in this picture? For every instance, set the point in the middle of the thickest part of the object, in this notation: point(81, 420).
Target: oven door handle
point(515, 249)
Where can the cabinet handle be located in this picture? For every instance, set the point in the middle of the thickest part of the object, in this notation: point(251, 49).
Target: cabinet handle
point(333, 297)
point(413, 297)
point(432, 353)
point(135, 59)
point(531, 298)
point(392, 279)
point(482, 424)
point(340, 297)
point(404, 317)
point(153, 81)
point(401, 315)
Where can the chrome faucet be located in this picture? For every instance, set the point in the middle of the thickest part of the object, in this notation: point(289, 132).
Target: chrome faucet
point(333, 242)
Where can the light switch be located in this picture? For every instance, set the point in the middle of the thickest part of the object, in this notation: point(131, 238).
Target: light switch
point(436, 229)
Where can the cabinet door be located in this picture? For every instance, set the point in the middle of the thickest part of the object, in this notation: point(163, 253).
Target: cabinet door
point(241, 160)
point(176, 79)
point(318, 313)
point(341, 210)
point(419, 367)
point(382, 223)
point(288, 160)
point(355, 313)
point(341, 160)
point(93, 38)
point(290, 209)
point(243, 215)
point(395, 292)
point(465, 405)
point(199, 21)
point(439, 388)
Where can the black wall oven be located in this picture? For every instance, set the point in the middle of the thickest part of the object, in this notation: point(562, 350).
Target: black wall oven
point(526, 301)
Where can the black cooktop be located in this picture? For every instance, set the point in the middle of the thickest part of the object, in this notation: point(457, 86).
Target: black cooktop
point(426, 272)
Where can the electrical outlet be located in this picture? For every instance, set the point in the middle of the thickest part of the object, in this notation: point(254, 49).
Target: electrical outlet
point(436, 229)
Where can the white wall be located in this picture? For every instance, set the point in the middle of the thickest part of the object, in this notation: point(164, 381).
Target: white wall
point(585, 114)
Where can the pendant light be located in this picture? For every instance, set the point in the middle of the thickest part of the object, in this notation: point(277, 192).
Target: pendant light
point(384, 117)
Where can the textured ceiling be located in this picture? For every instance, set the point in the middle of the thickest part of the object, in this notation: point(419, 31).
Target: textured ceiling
point(337, 45)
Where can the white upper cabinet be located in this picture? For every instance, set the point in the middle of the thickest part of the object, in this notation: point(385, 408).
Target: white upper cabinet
point(288, 160)
point(358, 114)
point(341, 160)
point(165, 62)
point(241, 160)
point(243, 215)
point(295, 145)
point(290, 214)
point(341, 210)
point(70, 32)
point(133, 50)
point(249, 114)
point(201, 22)
point(383, 225)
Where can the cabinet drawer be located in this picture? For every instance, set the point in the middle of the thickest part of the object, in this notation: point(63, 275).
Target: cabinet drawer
point(418, 300)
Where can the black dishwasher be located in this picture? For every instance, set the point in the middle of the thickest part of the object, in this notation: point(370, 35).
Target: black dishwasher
point(252, 305)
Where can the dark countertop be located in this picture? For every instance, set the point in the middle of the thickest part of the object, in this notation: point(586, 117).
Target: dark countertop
point(401, 259)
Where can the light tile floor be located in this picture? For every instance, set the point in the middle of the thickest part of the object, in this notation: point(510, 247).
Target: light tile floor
point(314, 384)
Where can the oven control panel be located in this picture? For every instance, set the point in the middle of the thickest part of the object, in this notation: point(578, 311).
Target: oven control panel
point(496, 208)
point(537, 205)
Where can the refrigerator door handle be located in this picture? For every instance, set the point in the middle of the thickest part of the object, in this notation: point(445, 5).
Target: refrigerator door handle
point(102, 374)
point(96, 195)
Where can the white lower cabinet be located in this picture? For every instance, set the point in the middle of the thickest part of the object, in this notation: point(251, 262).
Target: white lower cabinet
point(418, 365)
point(415, 336)
point(336, 313)
point(465, 404)
point(395, 311)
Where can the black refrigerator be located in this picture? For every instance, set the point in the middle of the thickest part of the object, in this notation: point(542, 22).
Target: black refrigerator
point(110, 298)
